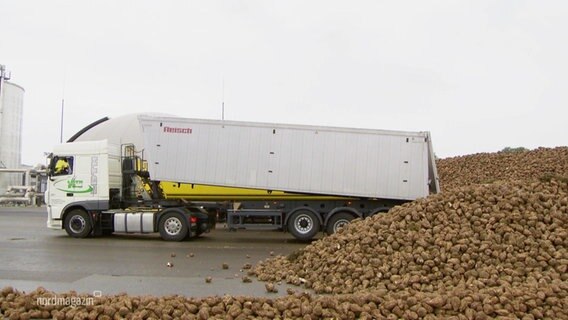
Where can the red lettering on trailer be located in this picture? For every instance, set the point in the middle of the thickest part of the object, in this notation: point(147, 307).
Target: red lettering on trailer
point(178, 130)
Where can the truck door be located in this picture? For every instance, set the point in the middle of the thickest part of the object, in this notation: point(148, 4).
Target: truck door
point(69, 182)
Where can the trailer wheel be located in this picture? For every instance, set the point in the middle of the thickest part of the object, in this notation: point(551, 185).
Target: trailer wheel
point(303, 225)
point(338, 221)
point(173, 226)
point(78, 224)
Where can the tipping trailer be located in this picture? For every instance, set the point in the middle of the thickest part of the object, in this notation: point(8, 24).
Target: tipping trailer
point(299, 178)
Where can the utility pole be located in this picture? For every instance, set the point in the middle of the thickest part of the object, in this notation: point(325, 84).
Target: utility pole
point(62, 106)
point(62, 109)
point(223, 99)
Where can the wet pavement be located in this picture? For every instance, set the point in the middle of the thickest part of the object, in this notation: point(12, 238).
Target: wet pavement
point(31, 255)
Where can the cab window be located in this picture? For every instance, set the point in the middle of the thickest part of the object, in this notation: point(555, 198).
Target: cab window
point(62, 165)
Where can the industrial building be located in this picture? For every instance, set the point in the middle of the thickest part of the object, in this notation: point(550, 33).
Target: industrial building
point(11, 115)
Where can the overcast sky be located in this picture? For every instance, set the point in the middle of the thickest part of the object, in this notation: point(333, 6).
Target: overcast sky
point(479, 75)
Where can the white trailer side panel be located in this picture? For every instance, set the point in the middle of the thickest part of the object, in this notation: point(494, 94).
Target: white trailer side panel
point(293, 158)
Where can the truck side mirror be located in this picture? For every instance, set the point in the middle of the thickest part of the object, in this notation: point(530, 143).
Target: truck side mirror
point(49, 167)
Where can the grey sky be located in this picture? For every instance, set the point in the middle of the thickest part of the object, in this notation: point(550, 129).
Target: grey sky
point(480, 75)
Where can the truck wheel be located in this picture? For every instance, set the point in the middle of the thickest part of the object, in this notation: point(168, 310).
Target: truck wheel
point(173, 226)
point(338, 221)
point(303, 225)
point(78, 224)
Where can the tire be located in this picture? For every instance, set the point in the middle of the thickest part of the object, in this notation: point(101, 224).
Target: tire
point(78, 224)
point(303, 225)
point(173, 226)
point(337, 221)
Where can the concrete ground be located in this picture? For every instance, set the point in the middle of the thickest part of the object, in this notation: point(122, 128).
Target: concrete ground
point(31, 255)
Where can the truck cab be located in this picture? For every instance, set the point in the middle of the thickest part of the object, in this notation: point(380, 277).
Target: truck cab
point(94, 188)
point(80, 175)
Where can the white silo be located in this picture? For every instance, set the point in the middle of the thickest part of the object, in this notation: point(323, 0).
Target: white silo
point(11, 113)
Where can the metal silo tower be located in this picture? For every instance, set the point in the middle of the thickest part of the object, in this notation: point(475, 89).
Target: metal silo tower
point(11, 113)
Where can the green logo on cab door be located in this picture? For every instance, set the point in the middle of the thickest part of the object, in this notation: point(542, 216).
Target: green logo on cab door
point(73, 186)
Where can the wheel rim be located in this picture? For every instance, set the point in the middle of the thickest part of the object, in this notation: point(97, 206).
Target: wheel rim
point(172, 226)
point(77, 224)
point(303, 223)
point(339, 224)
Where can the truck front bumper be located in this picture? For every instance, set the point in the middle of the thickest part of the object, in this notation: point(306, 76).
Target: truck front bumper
point(56, 224)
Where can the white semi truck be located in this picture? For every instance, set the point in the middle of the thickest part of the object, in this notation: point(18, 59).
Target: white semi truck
point(303, 179)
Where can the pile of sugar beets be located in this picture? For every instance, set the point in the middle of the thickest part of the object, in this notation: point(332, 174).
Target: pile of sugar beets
point(482, 251)
point(482, 168)
point(475, 253)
